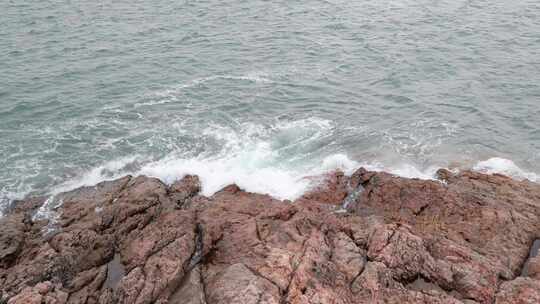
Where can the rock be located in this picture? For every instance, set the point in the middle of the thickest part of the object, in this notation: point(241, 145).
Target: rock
point(238, 284)
point(86, 201)
point(192, 291)
point(348, 257)
point(157, 258)
point(519, 291)
point(331, 188)
point(136, 240)
point(231, 189)
point(12, 234)
point(85, 287)
point(533, 268)
point(316, 278)
point(184, 189)
point(28, 206)
point(42, 293)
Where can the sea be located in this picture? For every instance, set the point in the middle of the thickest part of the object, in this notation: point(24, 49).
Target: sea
point(264, 94)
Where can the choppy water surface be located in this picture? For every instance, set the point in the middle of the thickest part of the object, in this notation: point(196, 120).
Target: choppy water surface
point(263, 93)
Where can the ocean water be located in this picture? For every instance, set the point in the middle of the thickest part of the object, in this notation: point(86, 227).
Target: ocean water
point(264, 93)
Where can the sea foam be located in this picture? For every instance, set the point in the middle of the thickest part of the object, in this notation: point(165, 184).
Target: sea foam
point(273, 159)
point(506, 167)
point(279, 159)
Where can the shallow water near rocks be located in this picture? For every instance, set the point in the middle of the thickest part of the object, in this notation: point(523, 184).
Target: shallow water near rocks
point(264, 93)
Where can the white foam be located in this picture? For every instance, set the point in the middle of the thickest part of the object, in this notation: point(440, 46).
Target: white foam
point(249, 171)
point(171, 94)
point(273, 158)
point(348, 166)
point(246, 158)
point(218, 173)
point(46, 210)
point(6, 197)
point(339, 162)
point(268, 159)
point(506, 167)
point(107, 171)
point(254, 165)
point(154, 102)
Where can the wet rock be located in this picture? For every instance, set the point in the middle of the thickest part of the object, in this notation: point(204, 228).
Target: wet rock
point(81, 204)
point(231, 189)
point(181, 191)
point(331, 188)
point(26, 206)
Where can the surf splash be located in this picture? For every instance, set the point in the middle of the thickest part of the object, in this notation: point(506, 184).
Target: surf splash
point(505, 167)
point(273, 159)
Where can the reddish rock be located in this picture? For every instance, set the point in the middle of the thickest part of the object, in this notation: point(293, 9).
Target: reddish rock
point(27, 206)
point(183, 190)
point(464, 239)
point(12, 235)
point(330, 188)
point(192, 290)
point(519, 291)
point(42, 293)
point(533, 268)
point(238, 284)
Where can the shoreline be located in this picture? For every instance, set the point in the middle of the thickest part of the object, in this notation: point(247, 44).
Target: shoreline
point(367, 237)
point(302, 180)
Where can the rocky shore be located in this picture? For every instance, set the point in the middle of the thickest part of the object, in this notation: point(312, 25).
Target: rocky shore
point(366, 238)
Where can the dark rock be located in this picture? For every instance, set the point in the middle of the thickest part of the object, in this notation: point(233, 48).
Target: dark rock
point(28, 206)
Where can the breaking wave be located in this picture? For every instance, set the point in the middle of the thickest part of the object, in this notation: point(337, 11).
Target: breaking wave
point(274, 159)
point(506, 167)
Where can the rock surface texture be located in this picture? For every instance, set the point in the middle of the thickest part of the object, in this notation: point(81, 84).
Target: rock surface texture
point(465, 238)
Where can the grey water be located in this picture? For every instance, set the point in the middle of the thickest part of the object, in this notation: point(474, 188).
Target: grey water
point(264, 92)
